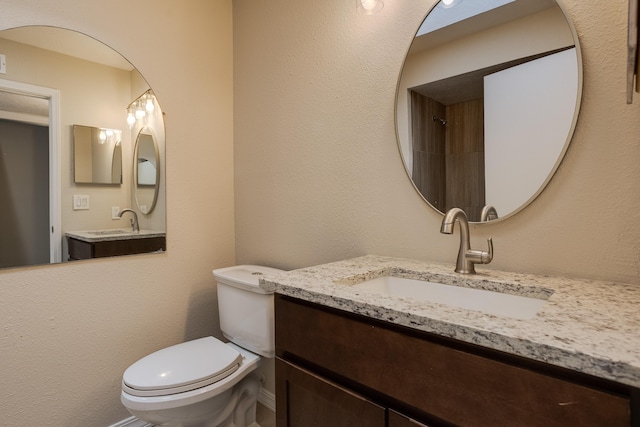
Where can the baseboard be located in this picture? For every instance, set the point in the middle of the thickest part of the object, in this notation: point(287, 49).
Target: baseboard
point(131, 422)
point(267, 399)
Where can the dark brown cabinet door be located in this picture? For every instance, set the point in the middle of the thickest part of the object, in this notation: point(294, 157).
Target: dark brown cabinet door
point(399, 420)
point(307, 400)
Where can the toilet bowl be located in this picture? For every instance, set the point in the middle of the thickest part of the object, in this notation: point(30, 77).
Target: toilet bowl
point(202, 396)
point(206, 382)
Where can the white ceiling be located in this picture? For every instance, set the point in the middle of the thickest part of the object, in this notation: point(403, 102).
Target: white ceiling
point(442, 16)
point(23, 104)
point(471, 16)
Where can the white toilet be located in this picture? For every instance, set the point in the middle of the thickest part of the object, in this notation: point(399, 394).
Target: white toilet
point(205, 382)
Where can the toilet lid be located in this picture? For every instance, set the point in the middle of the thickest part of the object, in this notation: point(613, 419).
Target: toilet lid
point(182, 367)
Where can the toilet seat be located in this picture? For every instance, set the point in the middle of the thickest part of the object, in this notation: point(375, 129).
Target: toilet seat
point(181, 368)
point(250, 362)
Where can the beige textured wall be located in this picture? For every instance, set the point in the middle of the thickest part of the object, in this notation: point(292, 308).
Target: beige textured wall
point(67, 332)
point(319, 177)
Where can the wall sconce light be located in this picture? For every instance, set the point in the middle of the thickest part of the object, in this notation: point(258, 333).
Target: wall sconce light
point(138, 109)
point(369, 7)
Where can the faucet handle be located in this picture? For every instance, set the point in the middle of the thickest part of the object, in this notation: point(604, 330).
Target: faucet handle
point(488, 256)
point(481, 257)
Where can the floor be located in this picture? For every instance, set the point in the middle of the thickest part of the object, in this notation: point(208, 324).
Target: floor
point(265, 417)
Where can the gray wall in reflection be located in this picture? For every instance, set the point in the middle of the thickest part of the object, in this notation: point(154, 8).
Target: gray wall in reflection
point(24, 194)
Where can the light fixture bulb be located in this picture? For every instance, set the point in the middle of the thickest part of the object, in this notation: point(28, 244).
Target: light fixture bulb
point(369, 4)
point(149, 105)
point(102, 136)
point(445, 4)
point(131, 120)
point(369, 7)
point(140, 113)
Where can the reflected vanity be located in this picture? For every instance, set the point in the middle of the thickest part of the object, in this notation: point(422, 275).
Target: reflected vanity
point(486, 104)
point(108, 243)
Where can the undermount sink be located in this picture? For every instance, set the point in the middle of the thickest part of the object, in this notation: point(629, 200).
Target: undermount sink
point(489, 302)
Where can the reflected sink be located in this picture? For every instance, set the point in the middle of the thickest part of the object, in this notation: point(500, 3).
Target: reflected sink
point(109, 232)
point(489, 302)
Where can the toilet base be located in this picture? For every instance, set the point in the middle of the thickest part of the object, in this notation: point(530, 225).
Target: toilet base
point(234, 408)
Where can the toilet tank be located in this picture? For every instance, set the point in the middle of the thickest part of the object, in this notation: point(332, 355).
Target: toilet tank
point(245, 309)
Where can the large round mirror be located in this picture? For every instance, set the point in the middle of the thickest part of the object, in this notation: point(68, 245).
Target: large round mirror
point(487, 102)
point(57, 181)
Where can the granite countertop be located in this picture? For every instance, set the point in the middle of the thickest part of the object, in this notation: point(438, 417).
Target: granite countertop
point(92, 236)
point(587, 326)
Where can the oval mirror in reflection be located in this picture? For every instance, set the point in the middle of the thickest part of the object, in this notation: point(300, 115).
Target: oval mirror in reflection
point(55, 79)
point(487, 102)
point(146, 171)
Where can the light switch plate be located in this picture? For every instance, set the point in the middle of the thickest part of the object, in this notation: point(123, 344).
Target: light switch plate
point(3, 64)
point(80, 202)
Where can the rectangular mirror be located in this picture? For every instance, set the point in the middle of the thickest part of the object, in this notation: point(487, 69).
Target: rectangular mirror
point(97, 155)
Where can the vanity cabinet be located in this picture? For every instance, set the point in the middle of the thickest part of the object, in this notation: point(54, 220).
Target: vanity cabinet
point(80, 249)
point(335, 368)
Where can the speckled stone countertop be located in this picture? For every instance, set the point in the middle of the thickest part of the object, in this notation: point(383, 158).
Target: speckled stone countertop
point(92, 236)
point(587, 326)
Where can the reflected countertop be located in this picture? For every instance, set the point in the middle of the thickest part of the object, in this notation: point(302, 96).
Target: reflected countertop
point(586, 326)
point(92, 236)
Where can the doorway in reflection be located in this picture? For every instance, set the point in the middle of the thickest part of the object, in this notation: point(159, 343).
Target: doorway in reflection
point(448, 153)
point(24, 194)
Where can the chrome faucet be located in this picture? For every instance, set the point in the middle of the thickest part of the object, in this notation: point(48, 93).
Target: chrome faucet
point(488, 213)
point(467, 257)
point(134, 221)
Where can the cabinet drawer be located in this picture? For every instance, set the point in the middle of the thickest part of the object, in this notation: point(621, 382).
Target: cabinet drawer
point(463, 388)
point(307, 400)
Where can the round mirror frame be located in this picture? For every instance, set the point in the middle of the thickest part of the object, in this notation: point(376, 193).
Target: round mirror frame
point(579, 69)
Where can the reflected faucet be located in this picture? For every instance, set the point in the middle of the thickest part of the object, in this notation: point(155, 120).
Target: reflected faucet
point(134, 221)
point(467, 257)
point(489, 213)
